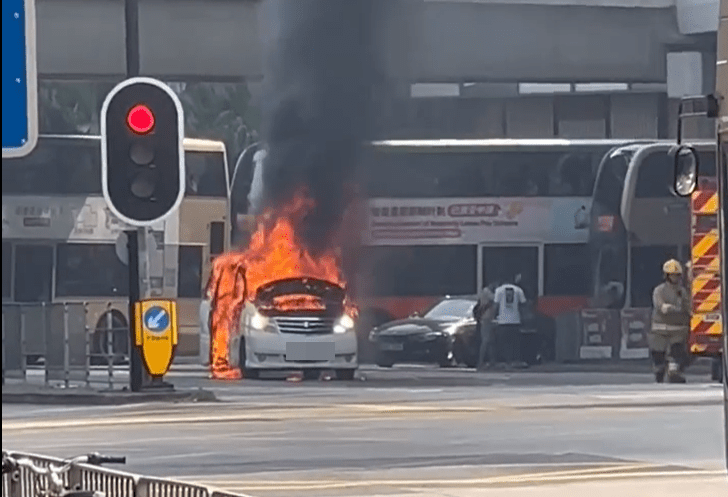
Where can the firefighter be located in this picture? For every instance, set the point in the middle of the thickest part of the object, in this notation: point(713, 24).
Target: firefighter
point(670, 325)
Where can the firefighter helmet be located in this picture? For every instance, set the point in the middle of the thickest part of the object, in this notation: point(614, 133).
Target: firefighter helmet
point(672, 267)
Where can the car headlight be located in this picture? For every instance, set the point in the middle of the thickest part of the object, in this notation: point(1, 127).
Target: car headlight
point(432, 335)
point(344, 324)
point(259, 322)
point(451, 329)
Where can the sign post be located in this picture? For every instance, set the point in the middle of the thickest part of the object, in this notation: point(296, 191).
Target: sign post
point(156, 336)
point(20, 85)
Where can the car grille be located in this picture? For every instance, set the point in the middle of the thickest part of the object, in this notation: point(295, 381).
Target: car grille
point(306, 325)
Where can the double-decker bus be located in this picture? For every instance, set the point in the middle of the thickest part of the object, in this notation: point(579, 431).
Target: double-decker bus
point(451, 216)
point(637, 222)
point(59, 239)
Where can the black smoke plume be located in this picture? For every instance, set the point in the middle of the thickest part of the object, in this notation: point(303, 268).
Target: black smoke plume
point(320, 70)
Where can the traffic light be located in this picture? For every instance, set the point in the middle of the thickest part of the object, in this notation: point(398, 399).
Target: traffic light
point(142, 154)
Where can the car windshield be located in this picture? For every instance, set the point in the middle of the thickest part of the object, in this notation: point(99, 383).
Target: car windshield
point(451, 309)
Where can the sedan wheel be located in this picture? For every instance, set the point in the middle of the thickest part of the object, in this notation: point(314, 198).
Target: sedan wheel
point(384, 360)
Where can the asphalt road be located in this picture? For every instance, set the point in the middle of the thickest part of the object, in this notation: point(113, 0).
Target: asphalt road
point(413, 431)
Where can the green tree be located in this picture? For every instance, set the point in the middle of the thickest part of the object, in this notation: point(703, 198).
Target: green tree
point(220, 111)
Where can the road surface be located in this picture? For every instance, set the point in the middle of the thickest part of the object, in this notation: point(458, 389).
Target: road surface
point(410, 431)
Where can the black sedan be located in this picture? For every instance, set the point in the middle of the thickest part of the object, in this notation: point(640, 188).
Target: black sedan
point(445, 335)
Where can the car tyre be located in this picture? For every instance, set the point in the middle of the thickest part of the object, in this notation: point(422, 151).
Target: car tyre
point(444, 361)
point(345, 374)
point(247, 373)
point(384, 360)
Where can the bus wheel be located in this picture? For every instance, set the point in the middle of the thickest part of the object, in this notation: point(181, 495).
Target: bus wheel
point(119, 339)
point(716, 369)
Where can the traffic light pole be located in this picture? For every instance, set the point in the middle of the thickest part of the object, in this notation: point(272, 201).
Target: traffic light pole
point(136, 370)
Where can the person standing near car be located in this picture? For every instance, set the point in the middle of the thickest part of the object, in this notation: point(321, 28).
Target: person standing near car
point(484, 312)
point(510, 300)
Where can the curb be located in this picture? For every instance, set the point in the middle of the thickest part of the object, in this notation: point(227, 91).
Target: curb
point(103, 398)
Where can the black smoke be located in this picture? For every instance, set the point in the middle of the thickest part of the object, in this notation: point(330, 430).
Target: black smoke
point(320, 70)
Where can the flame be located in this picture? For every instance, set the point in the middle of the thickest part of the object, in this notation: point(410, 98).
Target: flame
point(272, 255)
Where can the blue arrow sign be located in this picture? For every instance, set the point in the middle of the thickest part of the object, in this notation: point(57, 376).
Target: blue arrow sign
point(156, 319)
point(20, 108)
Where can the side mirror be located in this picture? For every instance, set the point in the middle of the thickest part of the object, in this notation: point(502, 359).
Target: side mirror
point(685, 169)
point(415, 314)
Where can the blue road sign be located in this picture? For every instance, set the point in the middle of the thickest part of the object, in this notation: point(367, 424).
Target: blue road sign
point(20, 108)
point(156, 319)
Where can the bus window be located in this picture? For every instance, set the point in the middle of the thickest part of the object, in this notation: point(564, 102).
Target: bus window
point(647, 271)
point(423, 174)
point(7, 270)
point(189, 277)
point(564, 272)
point(422, 270)
point(90, 269)
point(501, 264)
point(654, 179)
point(33, 273)
point(611, 277)
point(610, 183)
point(205, 174)
point(55, 167)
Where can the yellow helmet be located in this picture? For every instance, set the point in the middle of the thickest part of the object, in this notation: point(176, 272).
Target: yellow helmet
point(672, 267)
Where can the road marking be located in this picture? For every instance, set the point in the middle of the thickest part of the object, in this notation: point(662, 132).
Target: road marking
point(628, 471)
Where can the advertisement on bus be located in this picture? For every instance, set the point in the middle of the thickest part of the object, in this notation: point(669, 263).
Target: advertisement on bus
point(443, 221)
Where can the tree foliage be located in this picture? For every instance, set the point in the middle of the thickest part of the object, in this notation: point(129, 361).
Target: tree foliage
point(219, 111)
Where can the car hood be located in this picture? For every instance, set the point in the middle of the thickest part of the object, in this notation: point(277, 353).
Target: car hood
point(411, 326)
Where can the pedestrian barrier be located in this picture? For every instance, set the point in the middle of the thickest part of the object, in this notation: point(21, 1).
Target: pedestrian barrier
point(56, 338)
point(112, 483)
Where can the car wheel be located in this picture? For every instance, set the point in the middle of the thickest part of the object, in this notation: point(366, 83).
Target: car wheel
point(384, 360)
point(345, 374)
point(444, 361)
point(247, 373)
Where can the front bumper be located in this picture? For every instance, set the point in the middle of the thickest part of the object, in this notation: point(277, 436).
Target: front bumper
point(268, 350)
point(414, 347)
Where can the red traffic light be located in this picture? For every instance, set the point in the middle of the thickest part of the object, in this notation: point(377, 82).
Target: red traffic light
point(140, 119)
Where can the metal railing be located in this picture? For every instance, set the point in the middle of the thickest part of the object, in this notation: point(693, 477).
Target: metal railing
point(57, 339)
point(112, 483)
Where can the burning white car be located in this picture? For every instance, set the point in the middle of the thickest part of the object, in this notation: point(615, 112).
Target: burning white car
point(296, 324)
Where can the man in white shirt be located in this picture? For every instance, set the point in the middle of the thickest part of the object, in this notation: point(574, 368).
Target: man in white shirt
point(510, 300)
